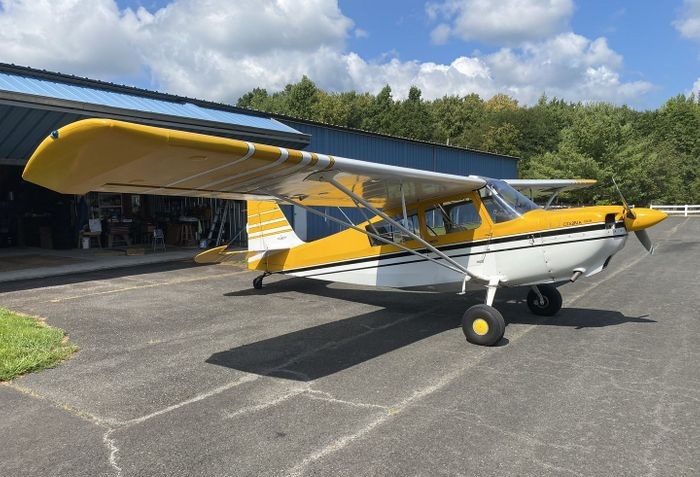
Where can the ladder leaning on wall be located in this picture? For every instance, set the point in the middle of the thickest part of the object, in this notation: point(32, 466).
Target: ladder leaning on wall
point(220, 219)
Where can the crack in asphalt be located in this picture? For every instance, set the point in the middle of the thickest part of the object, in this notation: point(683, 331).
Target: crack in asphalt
point(394, 410)
point(109, 443)
point(113, 451)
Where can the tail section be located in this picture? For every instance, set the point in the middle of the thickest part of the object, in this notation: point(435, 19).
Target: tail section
point(268, 229)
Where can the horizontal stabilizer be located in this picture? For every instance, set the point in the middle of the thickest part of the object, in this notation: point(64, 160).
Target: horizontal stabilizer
point(221, 255)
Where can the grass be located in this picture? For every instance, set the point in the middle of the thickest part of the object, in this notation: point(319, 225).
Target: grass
point(28, 344)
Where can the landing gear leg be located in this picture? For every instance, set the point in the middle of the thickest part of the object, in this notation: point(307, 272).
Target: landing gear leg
point(483, 324)
point(257, 282)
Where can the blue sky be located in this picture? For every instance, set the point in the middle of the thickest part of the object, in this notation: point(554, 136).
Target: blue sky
point(627, 52)
point(641, 31)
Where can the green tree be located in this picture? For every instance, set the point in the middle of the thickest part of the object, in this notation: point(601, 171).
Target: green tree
point(649, 172)
point(302, 98)
point(380, 112)
point(255, 99)
point(501, 102)
point(654, 155)
point(502, 139)
point(411, 118)
point(452, 116)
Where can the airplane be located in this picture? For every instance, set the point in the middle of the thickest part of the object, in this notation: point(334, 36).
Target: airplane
point(422, 229)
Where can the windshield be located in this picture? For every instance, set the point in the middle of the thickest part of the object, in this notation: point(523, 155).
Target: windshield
point(504, 203)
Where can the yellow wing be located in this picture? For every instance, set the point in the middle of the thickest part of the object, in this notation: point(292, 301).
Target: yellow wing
point(114, 156)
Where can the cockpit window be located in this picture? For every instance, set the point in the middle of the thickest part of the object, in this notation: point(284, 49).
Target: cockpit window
point(392, 233)
point(451, 217)
point(504, 203)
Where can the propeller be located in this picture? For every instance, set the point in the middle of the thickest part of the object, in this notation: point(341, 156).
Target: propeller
point(628, 210)
point(638, 225)
point(643, 237)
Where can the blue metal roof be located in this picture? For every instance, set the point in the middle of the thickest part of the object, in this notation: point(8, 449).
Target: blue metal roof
point(178, 107)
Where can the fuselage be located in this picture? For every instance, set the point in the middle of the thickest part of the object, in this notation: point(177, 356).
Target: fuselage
point(538, 246)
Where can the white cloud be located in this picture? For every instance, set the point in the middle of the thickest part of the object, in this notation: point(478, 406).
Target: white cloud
point(440, 34)
point(218, 50)
point(695, 89)
point(568, 66)
point(505, 22)
point(688, 24)
point(360, 33)
point(221, 49)
point(77, 36)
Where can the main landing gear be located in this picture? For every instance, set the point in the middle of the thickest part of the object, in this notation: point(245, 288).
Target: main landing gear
point(484, 325)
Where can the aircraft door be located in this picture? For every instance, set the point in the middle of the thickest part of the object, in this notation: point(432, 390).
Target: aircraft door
point(512, 254)
point(459, 227)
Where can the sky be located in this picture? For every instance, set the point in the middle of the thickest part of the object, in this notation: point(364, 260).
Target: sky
point(634, 52)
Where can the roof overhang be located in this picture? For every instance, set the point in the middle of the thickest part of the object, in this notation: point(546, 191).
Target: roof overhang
point(32, 107)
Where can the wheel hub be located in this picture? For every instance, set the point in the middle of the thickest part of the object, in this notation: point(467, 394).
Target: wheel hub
point(480, 326)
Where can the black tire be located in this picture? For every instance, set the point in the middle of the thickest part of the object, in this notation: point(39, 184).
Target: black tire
point(483, 325)
point(552, 301)
point(257, 282)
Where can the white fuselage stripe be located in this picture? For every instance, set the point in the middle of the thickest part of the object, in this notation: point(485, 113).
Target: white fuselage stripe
point(378, 262)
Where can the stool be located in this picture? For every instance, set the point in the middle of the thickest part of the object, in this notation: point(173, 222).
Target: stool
point(186, 234)
point(90, 235)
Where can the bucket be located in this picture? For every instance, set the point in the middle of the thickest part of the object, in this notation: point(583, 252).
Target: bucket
point(86, 242)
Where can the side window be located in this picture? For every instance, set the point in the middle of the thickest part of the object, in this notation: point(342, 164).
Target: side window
point(464, 216)
point(388, 231)
point(496, 207)
point(435, 221)
point(452, 217)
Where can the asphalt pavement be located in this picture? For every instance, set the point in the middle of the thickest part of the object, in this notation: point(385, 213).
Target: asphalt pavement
point(186, 370)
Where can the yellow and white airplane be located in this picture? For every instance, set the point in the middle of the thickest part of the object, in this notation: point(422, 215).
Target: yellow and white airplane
point(423, 229)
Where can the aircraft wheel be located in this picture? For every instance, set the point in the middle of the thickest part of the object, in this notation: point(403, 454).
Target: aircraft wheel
point(483, 325)
point(257, 282)
point(552, 301)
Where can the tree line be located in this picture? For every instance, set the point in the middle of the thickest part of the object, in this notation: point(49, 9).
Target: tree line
point(653, 155)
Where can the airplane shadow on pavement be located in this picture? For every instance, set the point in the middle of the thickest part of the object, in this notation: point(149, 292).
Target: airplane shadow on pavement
point(328, 348)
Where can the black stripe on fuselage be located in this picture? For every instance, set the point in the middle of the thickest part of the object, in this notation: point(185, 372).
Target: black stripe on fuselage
point(406, 262)
point(447, 248)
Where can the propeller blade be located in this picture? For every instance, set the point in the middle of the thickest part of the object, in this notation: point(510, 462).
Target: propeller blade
point(643, 237)
point(628, 210)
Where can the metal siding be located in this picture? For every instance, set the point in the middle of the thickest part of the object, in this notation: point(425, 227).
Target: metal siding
point(22, 129)
point(406, 153)
point(10, 121)
point(55, 89)
point(319, 227)
point(397, 152)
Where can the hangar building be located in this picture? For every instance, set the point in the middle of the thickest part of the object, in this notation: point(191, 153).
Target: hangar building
point(35, 102)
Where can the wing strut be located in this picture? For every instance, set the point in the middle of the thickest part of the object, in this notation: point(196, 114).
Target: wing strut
point(462, 269)
point(366, 232)
point(551, 199)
